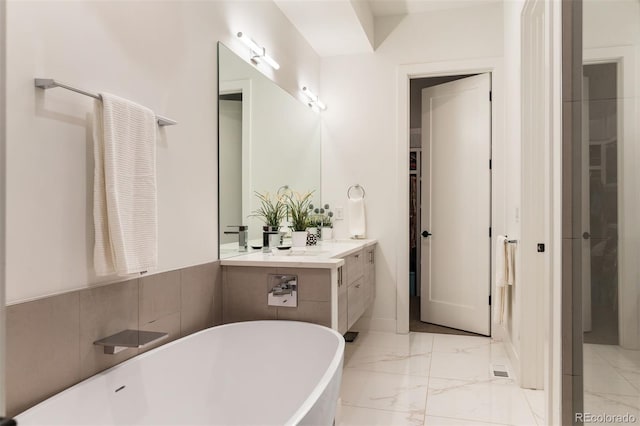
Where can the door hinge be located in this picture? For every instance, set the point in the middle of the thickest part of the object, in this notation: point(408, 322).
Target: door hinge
point(490, 165)
point(489, 232)
point(490, 96)
point(489, 300)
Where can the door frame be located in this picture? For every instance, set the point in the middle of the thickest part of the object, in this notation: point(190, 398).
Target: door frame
point(624, 57)
point(240, 86)
point(3, 200)
point(438, 69)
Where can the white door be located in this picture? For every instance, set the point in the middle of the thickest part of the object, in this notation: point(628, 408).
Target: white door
point(456, 204)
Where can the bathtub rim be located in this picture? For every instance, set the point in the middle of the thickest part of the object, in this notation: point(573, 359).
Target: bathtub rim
point(295, 418)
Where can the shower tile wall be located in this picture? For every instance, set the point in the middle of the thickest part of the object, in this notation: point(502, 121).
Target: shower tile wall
point(50, 341)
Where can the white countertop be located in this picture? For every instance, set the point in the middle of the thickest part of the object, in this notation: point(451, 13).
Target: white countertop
point(327, 254)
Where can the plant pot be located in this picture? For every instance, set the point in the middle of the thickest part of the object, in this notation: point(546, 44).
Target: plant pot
point(327, 233)
point(299, 238)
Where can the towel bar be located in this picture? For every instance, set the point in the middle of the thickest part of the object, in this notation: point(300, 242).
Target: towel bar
point(49, 83)
point(507, 241)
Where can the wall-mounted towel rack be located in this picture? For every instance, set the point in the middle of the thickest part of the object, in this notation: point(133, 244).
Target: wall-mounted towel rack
point(356, 186)
point(50, 83)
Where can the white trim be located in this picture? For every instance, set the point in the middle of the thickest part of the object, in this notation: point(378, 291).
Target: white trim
point(535, 189)
point(404, 74)
point(3, 200)
point(552, 300)
point(375, 324)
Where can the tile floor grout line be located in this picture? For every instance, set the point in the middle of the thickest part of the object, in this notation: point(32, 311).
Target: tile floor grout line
point(426, 398)
point(616, 369)
point(526, 398)
point(346, 404)
point(469, 420)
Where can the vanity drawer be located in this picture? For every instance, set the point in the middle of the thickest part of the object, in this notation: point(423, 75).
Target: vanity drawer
point(355, 266)
point(356, 301)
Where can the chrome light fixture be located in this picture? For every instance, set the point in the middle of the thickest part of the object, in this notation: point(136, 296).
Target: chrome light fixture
point(258, 53)
point(313, 99)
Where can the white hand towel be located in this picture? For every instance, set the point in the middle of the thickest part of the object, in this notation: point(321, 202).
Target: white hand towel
point(501, 261)
point(357, 226)
point(510, 263)
point(125, 195)
point(499, 310)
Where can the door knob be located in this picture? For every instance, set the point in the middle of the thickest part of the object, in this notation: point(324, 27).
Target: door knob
point(426, 234)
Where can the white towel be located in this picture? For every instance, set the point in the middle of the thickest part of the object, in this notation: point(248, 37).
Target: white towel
point(510, 263)
point(357, 226)
point(125, 196)
point(501, 261)
point(499, 310)
point(505, 276)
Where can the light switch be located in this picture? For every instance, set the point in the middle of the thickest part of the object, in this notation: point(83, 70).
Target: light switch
point(339, 213)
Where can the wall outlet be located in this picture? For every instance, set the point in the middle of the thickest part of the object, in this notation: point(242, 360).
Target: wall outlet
point(339, 213)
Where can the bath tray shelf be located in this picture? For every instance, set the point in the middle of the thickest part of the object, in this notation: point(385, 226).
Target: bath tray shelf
point(129, 339)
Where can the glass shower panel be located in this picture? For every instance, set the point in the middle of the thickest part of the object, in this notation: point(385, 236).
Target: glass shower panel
point(610, 193)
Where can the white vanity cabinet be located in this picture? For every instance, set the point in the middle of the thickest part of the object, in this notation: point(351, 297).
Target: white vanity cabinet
point(356, 287)
point(335, 284)
point(343, 326)
point(370, 274)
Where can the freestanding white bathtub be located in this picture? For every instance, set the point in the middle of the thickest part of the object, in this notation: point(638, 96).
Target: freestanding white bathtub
point(250, 373)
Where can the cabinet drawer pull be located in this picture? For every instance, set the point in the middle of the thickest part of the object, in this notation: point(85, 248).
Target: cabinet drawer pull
point(357, 256)
point(357, 285)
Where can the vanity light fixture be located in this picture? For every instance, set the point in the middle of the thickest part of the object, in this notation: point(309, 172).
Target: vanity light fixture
point(258, 53)
point(314, 100)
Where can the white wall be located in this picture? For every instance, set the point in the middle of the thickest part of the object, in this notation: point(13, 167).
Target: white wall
point(161, 54)
point(360, 124)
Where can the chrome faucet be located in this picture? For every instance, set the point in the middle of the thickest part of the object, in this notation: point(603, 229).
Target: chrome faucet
point(243, 235)
point(270, 238)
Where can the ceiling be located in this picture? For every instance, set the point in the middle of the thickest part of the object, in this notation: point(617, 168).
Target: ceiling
point(404, 7)
point(344, 27)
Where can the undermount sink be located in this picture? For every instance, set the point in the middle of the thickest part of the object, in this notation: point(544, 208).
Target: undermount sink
point(303, 253)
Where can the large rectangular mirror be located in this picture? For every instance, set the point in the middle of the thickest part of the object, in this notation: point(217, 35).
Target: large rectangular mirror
point(267, 140)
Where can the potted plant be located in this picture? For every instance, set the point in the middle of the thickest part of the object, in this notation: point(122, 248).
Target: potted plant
point(300, 215)
point(272, 210)
point(324, 219)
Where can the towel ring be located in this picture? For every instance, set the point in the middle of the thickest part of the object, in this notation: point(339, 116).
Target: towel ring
point(283, 190)
point(356, 186)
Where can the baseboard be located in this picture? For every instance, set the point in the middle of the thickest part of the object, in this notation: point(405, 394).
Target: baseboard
point(513, 355)
point(375, 324)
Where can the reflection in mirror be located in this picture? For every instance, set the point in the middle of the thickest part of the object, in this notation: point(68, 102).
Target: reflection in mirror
point(610, 207)
point(267, 140)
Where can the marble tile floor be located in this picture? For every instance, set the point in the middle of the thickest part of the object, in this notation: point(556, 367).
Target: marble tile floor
point(611, 380)
point(431, 379)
